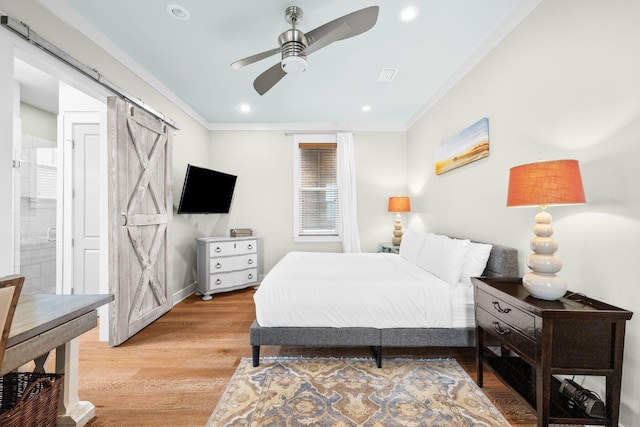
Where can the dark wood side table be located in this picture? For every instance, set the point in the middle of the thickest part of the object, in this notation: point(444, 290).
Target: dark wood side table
point(574, 335)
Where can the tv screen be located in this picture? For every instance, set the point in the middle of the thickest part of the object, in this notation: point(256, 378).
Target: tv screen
point(206, 191)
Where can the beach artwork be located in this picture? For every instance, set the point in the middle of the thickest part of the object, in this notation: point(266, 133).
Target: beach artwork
point(466, 146)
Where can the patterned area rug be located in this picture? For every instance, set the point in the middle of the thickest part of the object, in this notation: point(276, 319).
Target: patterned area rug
point(353, 392)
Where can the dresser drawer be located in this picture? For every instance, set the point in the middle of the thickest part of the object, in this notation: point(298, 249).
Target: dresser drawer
point(226, 264)
point(229, 280)
point(506, 333)
point(247, 276)
point(222, 249)
point(246, 246)
point(507, 313)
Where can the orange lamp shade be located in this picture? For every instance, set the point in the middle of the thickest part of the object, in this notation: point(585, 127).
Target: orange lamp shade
point(399, 204)
point(554, 182)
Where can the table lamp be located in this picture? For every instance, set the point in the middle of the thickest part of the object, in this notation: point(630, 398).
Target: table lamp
point(398, 204)
point(542, 184)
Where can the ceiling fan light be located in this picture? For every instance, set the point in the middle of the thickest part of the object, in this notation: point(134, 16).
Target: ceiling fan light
point(294, 64)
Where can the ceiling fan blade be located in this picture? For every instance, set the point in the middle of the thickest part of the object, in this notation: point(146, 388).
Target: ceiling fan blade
point(360, 21)
point(268, 79)
point(254, 58)
point(336, 34)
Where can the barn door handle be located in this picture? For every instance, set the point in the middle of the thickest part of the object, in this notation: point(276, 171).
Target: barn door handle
point(123, 216)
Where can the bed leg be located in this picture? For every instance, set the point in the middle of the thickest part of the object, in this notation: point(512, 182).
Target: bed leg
point(255, 350)
point(377, 352)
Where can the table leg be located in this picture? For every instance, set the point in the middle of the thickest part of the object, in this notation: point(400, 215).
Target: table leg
point(72, 411)
point(40, 362)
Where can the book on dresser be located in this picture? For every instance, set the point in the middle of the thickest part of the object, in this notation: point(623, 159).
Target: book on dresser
point(226, 263)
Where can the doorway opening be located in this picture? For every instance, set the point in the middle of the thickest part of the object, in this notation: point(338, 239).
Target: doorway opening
point(59, 186)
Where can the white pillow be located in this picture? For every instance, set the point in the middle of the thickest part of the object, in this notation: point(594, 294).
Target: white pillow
point(411, 245)
point(475, 262)
point(443, 257)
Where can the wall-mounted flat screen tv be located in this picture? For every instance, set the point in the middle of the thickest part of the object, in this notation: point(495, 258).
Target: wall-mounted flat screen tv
point(206, 191)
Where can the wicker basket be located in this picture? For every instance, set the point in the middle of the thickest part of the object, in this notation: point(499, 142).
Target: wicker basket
point(29, 399)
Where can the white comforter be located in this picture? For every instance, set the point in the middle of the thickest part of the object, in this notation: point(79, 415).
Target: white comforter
point(376, 290)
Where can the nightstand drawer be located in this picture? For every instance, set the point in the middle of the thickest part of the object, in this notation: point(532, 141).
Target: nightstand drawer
point(506, 333)
point(507, 313)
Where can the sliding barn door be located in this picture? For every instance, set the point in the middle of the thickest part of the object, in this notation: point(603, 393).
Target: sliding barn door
point(140, 210)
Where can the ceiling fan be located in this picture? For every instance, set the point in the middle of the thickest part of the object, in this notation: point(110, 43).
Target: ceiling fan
point(296, 45)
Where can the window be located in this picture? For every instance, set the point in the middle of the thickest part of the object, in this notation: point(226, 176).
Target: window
point(316, 210)
point(46, 173)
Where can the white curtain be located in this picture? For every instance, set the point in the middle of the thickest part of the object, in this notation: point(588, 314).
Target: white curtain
point(347, 194)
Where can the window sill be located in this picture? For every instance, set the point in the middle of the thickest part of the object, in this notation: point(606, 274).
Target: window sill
point(316, 239)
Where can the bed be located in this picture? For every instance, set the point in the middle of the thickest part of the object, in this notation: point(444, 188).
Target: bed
point(421, 297)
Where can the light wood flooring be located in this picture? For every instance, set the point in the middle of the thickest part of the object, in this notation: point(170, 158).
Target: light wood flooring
point(173, 372)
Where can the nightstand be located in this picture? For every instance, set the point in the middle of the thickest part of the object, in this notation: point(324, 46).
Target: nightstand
point(389, 248)
point(574, 335)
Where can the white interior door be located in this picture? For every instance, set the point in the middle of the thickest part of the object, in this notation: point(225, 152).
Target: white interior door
point(86, 208)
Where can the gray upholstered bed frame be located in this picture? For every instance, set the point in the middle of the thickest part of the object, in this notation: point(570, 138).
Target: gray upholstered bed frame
point(503, 262)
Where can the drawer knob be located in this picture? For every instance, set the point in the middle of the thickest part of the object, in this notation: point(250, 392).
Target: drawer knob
point(218, 249)
point(250, 261)
point(250, 276)
point(250, 246)
point(496, 305)
point(218, 265)
point(499, 330)
point(218, 281)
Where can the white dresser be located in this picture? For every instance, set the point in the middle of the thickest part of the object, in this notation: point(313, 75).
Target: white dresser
point(226, 264)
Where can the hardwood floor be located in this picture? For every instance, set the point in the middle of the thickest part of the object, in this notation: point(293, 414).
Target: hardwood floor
point(173, 372)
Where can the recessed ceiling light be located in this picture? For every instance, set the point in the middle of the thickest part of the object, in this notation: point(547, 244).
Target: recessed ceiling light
point(245, 108)
point(178, 12)
point(366, 108)
point(408, 13)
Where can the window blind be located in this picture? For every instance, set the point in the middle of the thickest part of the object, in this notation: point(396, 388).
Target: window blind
point(318, 190)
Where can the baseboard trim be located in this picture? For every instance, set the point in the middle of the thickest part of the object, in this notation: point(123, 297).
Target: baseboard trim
point(184, 293)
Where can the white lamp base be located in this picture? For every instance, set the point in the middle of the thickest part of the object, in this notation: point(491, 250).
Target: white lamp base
point(544, 286)
point(397, 231)
point(542, 281)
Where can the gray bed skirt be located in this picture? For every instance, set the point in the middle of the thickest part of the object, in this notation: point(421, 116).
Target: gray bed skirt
point(503, 262)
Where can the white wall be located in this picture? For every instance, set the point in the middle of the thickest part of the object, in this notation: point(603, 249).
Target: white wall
point(563, 84)
point(263, 199)
point(37, 122)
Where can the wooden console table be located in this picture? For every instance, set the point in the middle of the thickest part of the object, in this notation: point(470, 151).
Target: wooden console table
point(574, 335)
point(43, 323)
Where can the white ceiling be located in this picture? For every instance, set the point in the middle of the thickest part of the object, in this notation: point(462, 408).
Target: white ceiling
point(189, 61)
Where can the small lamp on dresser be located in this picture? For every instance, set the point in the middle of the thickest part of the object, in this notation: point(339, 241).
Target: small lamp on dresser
point(398, 204)
point(542, 184)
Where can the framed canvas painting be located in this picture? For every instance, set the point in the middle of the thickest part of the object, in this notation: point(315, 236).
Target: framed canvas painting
point(466, 146)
